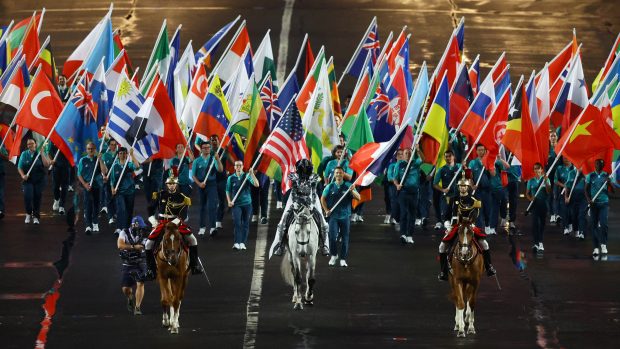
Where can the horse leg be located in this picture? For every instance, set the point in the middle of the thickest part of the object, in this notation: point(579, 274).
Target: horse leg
point(298, 305)
point(165, 305)
point(460, 307)
point(310, 279)
point(471, 305)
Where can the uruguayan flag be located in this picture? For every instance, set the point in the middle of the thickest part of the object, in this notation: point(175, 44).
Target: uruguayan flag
point(126, 126)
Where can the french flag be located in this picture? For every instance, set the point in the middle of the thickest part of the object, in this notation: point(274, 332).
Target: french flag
point(371, 160)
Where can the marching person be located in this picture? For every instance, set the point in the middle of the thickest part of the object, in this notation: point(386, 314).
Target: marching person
point(123, 188)
point(514, 177)
point(539, 204)
point(480, 178)
point(60, 177)
point(152, 177)
point(220, 178)
point(170, 205)
point(33, 182)
point(599, 206)
point(408, 193)
point(574, 197)
point(181, 163)
point(466, 208)
point(242, 206)
point(339, 216)
point(260, 198)
point(92, 183)
point(108, 158)
point(63, 89)
point(131, 243)
point(560, 179)
point(446, 175)
point(207, 186)
point(392, 171)
point(497, 195)
point(303, 191)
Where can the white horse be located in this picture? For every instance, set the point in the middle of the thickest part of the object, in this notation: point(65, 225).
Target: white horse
point(303, 243)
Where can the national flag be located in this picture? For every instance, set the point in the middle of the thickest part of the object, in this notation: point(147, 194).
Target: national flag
point(45, 58)
point(357, 100)
point(127, 103)
point(319, 121)
point(588, 136)
point(305, 61)
point(195, 97)
point(175, 48)
point(241, 117)
point(227, 65)
point(481, 108)
point(368, 45)
point(493, 130)
point(435, 130)
point(214, 114)
point(41, 108)
point(119, 49)
point(7, 136)
point(558, 68)
point(30, 43)
point(263, 61)
point(77, 125)
point(159, 62)
point(258, 128)
point(519, 136)
point(577, 96)
point(99, 91)
point(160, 121)
point(377, 113)
point(474, 75)
point(461, 97)
point(398, 93)
point(235, 87)
point(615, 50)
point(114, 73)
point(289, 89)
point(361, 134)
point(307, 89)
point(449, 63)
point(615, 110)
point(286, 144)
point(16, 36)
point(4, 54)
point(333, 84)
point(502, 83)
point(95, 43)
point(610, 81)
point(182, 80)
point(15, 86)
point(206, 52)
point(371, 160)
point(269, 97)
point(541, 119)
point(459, 33)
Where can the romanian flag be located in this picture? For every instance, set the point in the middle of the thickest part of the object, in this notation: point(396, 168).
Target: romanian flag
point(435, 130)
point(214, 115)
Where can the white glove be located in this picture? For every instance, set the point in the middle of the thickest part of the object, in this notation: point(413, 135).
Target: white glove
point(176, 221)
point(153, 221)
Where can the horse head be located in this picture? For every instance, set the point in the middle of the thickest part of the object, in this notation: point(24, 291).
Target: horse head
point(171, 244)
point(464, 250)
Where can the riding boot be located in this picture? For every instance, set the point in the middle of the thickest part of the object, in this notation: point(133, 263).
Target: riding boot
point(193, 261)
point(323, 240)
point(151, 267)
point(279, 248)
point(486, 255)
point(443, 262)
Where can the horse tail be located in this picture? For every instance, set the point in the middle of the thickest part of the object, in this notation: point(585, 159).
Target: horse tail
point(286, 270)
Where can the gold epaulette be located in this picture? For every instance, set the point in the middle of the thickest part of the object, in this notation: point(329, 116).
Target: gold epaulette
point(187, 200)
point(154, 195)
point(477, 204)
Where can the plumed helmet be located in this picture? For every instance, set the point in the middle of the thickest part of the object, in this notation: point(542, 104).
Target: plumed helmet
point(304, 168)
point(464, 180)
point(174, 175)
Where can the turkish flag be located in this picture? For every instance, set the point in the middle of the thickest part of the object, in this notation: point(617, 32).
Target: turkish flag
point(41, 108)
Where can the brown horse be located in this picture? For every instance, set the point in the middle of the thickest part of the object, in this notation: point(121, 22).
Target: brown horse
point(467, 266)
point(172, 273)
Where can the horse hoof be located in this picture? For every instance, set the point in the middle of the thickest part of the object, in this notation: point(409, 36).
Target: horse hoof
point(471, 331)
point(461, 334)
point(308, 302)
point(174, 331)
point(298, 306)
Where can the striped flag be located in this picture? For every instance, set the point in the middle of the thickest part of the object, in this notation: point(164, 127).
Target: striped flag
point(286, 145)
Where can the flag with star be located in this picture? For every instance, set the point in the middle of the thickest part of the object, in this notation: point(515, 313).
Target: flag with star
point(214, 115)
point(78, 122)
point(588, 136)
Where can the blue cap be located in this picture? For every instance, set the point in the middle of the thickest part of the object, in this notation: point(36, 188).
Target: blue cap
point(139, 221)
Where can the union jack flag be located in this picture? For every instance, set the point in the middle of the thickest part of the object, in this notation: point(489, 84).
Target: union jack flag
point(381, 105)
point(83, 100)
point(269, 97)
point(372, 43)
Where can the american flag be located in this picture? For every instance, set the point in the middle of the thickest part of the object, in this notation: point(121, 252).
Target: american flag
point(286, 144)
point(269, 97)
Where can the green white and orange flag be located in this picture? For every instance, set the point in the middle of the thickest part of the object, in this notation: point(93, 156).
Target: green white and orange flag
point(319, 121)
point(307, 89)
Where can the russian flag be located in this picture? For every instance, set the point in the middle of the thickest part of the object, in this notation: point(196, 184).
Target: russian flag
point(481, 108)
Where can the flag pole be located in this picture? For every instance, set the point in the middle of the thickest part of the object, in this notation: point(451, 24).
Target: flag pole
point(219, 62)
point(3, 92)
point(604, 186)
point(357, 50)
point(260, 153)
point(357, 86)
point(161, 30)
point(303, 45)
point(47, 40)
point(574, 183)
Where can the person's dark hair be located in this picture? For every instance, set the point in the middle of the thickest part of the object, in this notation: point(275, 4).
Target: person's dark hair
point(336, 148)
point(480, 145)
point(449, 151)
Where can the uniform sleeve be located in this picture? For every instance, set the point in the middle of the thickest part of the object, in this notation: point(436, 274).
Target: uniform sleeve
point(437, 176)
point(326, 190)
point(229, 184)
point(80, 167)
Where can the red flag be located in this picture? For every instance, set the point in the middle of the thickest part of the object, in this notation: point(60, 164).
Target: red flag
point(41, 108)
point(31, 44)
point(495, 128)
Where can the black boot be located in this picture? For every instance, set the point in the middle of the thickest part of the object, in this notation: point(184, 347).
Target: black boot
point(486, 255)
point(151, 267)
point(443, 263)
point(193, 261)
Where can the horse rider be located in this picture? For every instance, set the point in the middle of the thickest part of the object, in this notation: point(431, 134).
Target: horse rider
point(171, 206)
point(303, 192)
point(467, 209)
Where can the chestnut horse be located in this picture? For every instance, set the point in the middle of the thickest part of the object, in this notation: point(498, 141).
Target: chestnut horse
point(467, 266)
point(172, 273)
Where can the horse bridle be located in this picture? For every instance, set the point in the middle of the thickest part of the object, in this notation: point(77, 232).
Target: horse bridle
point(469, 255)
point(168, 258)
point(300, 215)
